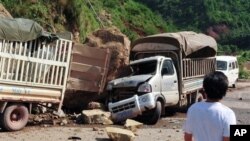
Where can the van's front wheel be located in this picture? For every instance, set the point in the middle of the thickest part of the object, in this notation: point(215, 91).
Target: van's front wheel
point(15, 117)
point(155, 113)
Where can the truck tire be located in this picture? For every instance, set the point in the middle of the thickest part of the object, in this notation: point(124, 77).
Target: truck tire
point(199, 98)
point(15, 117)
point(234, 84)
point(156, 114)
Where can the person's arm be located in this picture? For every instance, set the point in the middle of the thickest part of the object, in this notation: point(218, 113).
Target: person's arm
point(188, 137)
point(229, 120)
point(226, 139)
point(188, 126)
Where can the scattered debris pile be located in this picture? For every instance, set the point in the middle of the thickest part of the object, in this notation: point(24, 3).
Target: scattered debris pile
point(49, 119)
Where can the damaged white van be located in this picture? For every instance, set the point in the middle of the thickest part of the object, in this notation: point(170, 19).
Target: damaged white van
point(229, 66)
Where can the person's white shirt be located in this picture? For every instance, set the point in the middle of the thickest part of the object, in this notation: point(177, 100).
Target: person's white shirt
point(209, 121)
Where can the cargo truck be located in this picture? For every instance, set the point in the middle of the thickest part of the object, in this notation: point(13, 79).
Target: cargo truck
point(37, 67)
point(167, 70)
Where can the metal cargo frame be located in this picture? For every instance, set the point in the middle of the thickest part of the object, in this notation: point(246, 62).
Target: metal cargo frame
point(34, 71)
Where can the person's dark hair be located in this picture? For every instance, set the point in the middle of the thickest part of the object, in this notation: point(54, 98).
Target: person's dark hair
point(215, 85)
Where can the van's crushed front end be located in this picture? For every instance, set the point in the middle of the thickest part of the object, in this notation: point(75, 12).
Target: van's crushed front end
point(131, 107)
point(129, 97)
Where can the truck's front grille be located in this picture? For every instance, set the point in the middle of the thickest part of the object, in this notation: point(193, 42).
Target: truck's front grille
point(123, 107)
point(124, 93)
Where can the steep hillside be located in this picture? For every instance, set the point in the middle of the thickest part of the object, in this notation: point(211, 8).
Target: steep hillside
point(227, 21)
point(84, 16)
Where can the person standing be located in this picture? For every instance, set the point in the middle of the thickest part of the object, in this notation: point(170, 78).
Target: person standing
point(210, 120)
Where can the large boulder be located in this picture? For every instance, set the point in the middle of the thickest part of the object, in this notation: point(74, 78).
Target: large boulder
point(4, 13)
point(96, 105)
point(118, 43)
point(118, 134)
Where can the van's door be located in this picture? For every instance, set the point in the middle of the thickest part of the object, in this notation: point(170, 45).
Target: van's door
point(169, 82)
point(236, 70)
point(233, 72)
point(230, 73)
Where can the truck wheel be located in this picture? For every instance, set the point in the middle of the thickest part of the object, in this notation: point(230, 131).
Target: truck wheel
point(15, 117)
point(234, 84)
point(156, 113)
point(199, 97)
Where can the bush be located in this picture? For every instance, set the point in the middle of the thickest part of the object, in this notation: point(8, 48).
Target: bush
point(244, 74)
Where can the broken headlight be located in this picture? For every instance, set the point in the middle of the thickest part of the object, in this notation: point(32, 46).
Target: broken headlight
point(145, 88)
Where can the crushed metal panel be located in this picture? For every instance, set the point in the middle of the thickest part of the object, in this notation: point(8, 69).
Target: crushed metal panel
point(89, 67)
point(79, 58)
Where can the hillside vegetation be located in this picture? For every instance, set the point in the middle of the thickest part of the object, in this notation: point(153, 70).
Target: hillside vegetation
point(85, 16)
point(227, 21)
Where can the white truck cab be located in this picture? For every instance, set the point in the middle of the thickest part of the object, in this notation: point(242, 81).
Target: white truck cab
point(229, 66)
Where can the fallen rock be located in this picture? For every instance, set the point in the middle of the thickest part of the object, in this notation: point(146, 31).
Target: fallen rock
point(107, 121)
point(45, 125)
point(118, 43)
point(64, 122)
point(96, 116)
point(118, 134)
point(132, 125)
point(55, 122)
point(95, 129)
point(96, 105)
point(100, 133)
point(59, 113)
point(37, 119)
point(4, 12)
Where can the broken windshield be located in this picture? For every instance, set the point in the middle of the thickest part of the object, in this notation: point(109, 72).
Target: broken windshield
point(148, 67)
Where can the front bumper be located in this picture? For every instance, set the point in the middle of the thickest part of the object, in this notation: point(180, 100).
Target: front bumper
point(131, 107)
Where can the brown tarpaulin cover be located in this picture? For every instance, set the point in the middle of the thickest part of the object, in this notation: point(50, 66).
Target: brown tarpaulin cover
point(192, 44)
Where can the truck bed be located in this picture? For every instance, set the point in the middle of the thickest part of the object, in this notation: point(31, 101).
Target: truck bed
point(193, 72)
point(190, 85)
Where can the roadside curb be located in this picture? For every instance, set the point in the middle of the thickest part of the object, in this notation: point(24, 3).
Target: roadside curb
point(243, 80)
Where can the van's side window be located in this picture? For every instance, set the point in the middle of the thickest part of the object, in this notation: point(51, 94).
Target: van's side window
point(236, 63)
point(233, 64)
point(167, 68)
point(230, 66)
